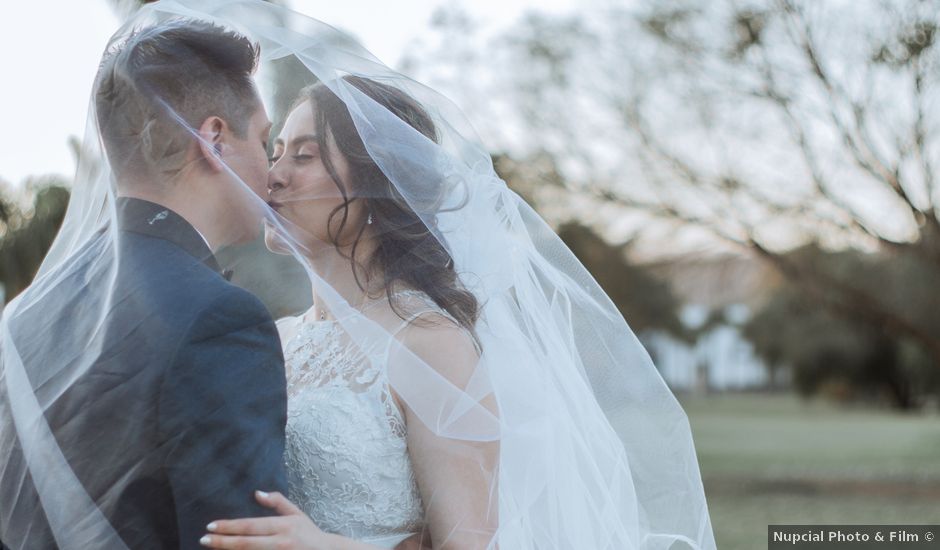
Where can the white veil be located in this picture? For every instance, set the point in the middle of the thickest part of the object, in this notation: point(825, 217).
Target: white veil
point(558, 367)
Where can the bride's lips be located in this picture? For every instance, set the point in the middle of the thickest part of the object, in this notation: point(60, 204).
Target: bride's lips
point(274, 204)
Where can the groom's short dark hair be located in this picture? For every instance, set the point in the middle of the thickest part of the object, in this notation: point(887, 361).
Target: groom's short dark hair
point(163, 81)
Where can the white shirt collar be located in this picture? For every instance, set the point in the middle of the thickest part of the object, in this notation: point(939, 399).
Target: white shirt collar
point(204, 240)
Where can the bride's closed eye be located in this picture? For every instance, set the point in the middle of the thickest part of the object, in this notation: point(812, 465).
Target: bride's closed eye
point(275, 155)
point(306, 152)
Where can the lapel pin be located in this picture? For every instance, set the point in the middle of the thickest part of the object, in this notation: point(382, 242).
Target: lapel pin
point(160, 216)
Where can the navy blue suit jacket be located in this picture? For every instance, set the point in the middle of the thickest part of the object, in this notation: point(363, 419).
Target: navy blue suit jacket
point(181, 415)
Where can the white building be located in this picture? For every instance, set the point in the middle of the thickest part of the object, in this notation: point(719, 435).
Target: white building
point(721, 359)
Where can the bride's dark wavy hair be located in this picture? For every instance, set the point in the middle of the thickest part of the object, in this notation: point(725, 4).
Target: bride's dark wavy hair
point(407, 251)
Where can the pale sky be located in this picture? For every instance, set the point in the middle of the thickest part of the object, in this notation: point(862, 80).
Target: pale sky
point(52, 48)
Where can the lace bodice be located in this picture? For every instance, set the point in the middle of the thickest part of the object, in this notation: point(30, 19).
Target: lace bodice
point(347, 459)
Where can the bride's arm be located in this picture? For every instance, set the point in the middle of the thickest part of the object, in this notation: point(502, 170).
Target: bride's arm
point(290, 530)
point(457, 478)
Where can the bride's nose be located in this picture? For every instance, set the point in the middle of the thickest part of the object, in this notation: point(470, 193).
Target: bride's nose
point(275, 183)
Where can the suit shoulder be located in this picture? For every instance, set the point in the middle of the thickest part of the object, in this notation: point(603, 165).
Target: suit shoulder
point(230, 311)
point(173, 276)
point(233, 300)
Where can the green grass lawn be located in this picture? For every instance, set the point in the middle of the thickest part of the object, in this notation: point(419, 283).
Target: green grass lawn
point(775, 459)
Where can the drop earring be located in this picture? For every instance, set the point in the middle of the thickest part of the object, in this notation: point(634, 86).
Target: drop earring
point(369, 219)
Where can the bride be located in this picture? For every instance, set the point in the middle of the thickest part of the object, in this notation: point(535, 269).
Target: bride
point(360, 463)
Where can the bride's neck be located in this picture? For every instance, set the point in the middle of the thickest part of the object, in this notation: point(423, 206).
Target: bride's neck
point(335, 268)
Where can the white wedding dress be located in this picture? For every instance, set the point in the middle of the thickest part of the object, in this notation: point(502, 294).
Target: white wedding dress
point(347, 459)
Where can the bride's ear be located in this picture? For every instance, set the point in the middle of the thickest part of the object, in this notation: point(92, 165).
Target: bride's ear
point(210, 143)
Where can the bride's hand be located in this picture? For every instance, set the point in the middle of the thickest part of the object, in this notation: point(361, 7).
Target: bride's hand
point(291, 530)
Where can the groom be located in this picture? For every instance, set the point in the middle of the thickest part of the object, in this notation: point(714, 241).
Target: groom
point(162, 384)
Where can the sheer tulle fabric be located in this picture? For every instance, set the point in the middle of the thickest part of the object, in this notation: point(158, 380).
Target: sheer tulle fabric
point(578, 443)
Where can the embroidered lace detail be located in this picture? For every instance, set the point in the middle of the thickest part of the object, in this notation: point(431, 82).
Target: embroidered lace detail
point(347, 459)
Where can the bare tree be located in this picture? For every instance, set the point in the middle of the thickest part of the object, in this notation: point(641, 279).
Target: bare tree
point(768, 124)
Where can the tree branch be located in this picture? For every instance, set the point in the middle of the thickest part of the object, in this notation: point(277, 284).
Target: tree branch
point(859, 145)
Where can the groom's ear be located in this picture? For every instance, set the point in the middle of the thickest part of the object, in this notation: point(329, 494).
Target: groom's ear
point(210, 142)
